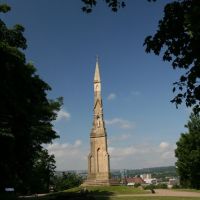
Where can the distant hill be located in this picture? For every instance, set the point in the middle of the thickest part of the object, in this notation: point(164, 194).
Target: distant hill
point(156, 172)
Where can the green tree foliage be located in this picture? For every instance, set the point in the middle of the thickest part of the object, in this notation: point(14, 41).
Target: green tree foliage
point(178, 39)
point(156, 172)
point(188, 154)
point(161, 186)
point(67, 181)
point(42, 172)
point(26, 113)
point(113, 4)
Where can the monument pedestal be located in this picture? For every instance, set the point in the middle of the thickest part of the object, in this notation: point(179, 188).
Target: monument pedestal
point(99, 182)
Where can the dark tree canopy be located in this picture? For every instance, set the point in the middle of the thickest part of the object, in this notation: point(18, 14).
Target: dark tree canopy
point(26, 113)
point(43, 172)
point(188, 154)
point(67, 181)
point(113, 4)
point(178, 39)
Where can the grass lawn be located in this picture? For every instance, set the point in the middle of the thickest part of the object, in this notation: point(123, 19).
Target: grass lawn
point(106, 193)
point(111, 190)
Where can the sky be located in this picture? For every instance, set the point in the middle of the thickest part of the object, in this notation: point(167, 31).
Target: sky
point(142, 125)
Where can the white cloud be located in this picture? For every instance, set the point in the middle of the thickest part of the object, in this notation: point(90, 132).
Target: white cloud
point(74, 155)
point(141, 156)
point(168, 155)
point(77, 143)
point(121, 123)
point(121, 137)
point(122, 152)
point(111, 96)
point(63, 115)
point(61, 149)
point(164, 145)
point(69, 156)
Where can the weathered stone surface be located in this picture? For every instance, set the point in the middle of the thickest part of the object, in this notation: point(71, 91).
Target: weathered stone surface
point(98, 158)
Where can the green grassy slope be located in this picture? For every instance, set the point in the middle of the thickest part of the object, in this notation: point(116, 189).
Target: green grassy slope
point(112, 190)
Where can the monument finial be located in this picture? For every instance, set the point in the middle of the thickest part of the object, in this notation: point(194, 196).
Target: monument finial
point(97, 73)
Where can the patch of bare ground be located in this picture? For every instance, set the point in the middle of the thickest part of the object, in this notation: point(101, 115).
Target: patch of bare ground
point(167, 192)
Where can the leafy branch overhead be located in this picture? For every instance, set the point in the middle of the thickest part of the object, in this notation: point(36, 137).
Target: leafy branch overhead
point(4, 8)
point(178, 39)
point(113, 4)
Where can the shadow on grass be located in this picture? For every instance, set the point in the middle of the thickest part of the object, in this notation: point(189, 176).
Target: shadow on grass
point(81, 195)
point(75, 195)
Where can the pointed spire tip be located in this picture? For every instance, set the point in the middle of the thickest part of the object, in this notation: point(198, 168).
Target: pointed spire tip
point(97, 73)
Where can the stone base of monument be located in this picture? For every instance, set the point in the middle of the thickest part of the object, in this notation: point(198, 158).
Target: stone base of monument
point(94, 182)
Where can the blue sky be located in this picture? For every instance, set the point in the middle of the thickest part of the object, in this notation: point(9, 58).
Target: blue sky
point(142, 125)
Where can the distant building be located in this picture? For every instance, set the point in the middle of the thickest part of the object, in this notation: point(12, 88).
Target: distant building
point(134, 180)
point(172, 182)
point(145, 176)
point(148, 180)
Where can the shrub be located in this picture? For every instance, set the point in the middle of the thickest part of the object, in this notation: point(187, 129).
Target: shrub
point(161, 186)
point(137, 185)
point(149, 187)
point(176, 186)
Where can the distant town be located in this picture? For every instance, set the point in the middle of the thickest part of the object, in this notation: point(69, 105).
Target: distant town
point(165, 176)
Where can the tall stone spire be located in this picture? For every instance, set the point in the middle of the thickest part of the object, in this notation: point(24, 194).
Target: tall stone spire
point(97, 73)
point(98, 158)
point(97, 82)
point(98, 121)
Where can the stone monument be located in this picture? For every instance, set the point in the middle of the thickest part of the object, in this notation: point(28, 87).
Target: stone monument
point(98, 158)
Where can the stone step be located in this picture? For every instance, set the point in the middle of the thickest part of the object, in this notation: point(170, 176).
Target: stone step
point(91, 182)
